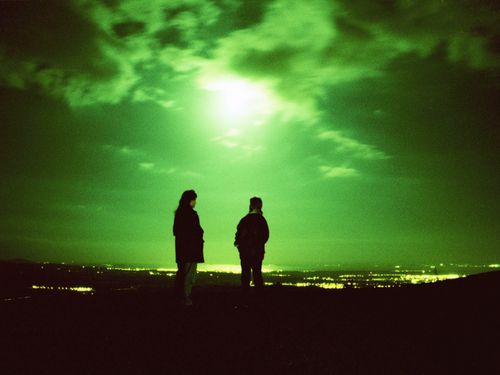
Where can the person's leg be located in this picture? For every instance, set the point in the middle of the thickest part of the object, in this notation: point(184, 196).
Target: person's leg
point(179, 280)
point(190, 276)
point(245, 274)
point(257, 274)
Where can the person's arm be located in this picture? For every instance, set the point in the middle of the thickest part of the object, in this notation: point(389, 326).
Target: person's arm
point(265, 230)
point(175, 229)
point(197, 226)
point(239, 234)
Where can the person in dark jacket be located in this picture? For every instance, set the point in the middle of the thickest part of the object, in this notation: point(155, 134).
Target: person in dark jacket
point(188, 245)
point(251, 236)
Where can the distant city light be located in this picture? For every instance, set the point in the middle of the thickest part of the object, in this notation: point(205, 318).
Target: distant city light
point(80, 289)
point(232, 268)
point(419, 279)
point(320, 285)
point(228, 274)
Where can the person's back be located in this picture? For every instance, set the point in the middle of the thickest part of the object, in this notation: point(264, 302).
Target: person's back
point(251, 236)
point(188, 236)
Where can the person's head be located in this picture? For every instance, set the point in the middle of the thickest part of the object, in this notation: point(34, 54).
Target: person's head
point(188, 199)
point(256, 205)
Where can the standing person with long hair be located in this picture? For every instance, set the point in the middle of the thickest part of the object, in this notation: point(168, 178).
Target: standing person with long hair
point(251, 236)
point(188, 245)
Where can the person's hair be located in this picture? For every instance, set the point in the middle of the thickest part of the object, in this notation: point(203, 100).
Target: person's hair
point(256, 204)
point(186, 198)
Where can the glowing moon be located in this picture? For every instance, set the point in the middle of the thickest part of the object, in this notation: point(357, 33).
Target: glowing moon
point(240, 102)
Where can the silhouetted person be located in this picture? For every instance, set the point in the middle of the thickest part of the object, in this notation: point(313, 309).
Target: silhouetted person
point(188, 245)
point(251, 236)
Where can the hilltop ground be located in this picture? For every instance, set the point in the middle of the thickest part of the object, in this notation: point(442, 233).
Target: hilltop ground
point(445, 328)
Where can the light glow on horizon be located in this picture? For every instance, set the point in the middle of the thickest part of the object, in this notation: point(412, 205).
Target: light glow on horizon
point(419, 279)
point(79, 289)
point(233, 268)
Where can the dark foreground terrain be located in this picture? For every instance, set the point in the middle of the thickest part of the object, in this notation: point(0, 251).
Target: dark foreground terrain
point(450, 327)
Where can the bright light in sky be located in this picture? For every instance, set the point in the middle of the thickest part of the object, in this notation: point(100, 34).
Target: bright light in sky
point(240, 102)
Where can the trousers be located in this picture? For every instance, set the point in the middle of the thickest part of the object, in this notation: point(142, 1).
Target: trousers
point(184, 281)
point(251, 266)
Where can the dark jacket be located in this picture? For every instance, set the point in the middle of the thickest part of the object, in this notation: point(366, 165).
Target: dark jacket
point(251, 235)
point(188, 236)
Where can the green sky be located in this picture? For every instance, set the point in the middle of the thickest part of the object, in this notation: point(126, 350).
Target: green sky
point(369, 128)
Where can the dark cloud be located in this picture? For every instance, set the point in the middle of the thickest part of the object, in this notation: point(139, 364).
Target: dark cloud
point(52, 33)
point(56, 47)
point(177, 11)
point(424, 25)
point(124, 29)
point(239, 14)
point(93, 52)
point(350, 30)
point(271, 63)
point(249, 13)
point(171, 36)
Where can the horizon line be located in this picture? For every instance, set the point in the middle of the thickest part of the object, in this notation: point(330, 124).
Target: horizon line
point(236, 268)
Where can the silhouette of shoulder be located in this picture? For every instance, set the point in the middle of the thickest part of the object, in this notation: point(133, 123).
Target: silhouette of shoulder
point(252, 227)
